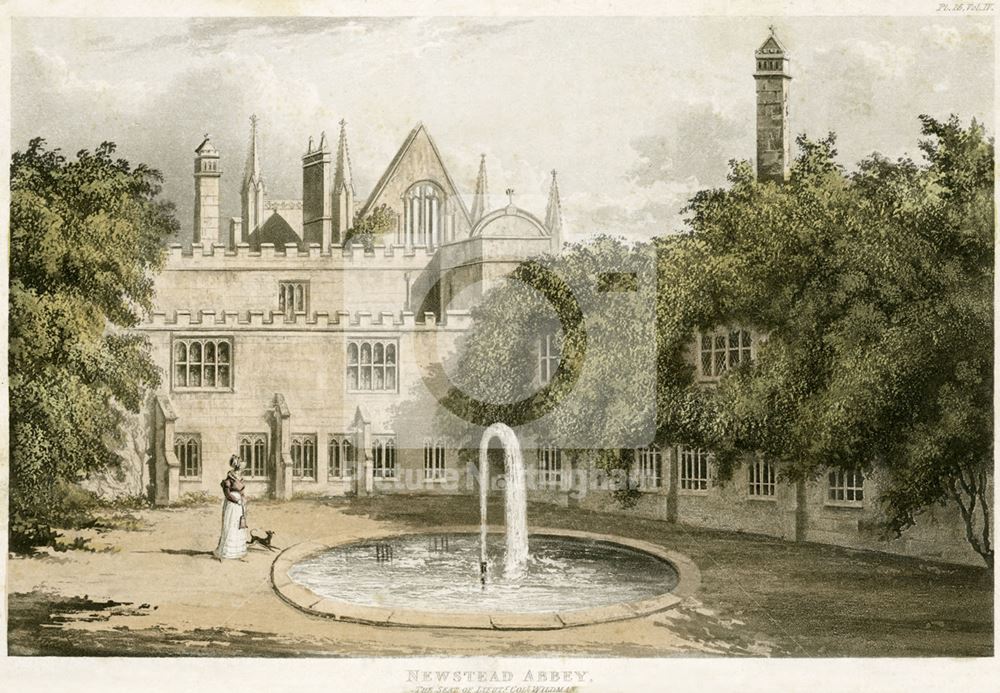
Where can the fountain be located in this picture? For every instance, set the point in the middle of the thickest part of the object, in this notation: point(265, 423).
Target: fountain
point(516, 502)
point(429, 578)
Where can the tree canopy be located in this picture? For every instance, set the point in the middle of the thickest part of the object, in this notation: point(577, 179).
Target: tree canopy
point(874, 292)
point(86, 236)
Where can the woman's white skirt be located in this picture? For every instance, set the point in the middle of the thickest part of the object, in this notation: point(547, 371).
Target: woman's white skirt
point(233, 542)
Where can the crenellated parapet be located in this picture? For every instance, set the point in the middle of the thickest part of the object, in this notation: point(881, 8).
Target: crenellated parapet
point(340, 320)
point(204, 256)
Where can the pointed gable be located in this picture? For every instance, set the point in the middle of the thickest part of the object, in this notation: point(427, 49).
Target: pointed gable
point(417, 160)
point(771, 46)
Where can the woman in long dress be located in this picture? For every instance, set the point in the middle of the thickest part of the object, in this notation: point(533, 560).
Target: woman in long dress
point(233, 542)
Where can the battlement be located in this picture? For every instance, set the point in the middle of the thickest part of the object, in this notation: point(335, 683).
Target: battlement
point(218, 256)
point(340, 320)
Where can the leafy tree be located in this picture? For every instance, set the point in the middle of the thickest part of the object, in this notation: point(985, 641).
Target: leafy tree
point(874, 290)
point(369, 229)
point(86, 237)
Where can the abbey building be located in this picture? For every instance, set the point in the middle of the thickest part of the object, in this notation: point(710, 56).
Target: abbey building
point(283, 343)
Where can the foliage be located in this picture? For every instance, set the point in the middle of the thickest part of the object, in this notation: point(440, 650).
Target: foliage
point(368, 229)
point(874, 290)
point(591, 398)
point(86, 236)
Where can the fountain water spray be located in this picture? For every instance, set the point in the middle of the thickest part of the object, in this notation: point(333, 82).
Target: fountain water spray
point(516, 501)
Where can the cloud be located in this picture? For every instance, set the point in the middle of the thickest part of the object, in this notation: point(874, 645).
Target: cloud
point(638, 213)
point(635, 114)
point(954, 37)
point(699, 146)
point(54, 71)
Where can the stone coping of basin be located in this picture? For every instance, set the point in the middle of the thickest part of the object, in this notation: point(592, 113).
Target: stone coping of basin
point(688, 581)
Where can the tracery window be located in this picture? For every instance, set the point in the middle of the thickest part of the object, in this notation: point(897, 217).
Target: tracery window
point(384, 456)
point(371, 365)
point(187, 447)
point(293, 298)
point(304, 456)
point(202, 364)
point(253, 451)
point(423, 204)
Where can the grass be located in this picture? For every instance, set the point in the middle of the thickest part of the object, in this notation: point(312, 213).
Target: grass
point(808, 599)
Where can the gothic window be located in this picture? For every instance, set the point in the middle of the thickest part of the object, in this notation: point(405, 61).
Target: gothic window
point(846, 487)
point(760, 479)
point(187, 447)
point(293, 298)
point(648, 468)
point(384, 457)
point(433, 460)
point(202, 364)
point(253, 451)
point(694, 472)
point(423, 204)
point(304, 456)
point(549, 466)
point(340, 456)
point(371, 365)
point(723, 350)
point(548, 358)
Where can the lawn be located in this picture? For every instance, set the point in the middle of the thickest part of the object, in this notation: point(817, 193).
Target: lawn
point(152, 588)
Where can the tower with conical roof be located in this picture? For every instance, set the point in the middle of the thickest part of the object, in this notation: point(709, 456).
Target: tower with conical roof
point(206, 193)
point(317, 215)
point(773, 141)
point(252, 194)
point(481, 200)
point(553, 214)
point(343, 188)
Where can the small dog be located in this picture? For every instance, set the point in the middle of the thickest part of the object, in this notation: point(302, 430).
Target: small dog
point(264, 541)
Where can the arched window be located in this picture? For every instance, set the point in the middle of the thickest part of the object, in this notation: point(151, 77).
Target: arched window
point(253, 450)
point(293, 297)
point(202, 363)
point(340, 463)
point(371, 365)
point(187, 447)
point(423, 205)
point(304, 456)
point(384, 457)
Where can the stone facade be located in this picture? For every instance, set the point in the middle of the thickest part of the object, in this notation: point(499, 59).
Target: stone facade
point(258, 340)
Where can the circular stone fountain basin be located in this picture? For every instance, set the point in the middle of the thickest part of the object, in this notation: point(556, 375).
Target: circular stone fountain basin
point(432, 579)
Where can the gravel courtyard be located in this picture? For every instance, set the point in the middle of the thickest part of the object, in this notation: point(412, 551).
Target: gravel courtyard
point(155, 589)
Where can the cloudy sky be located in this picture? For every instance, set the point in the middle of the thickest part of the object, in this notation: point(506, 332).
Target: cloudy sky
point(635, 113)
